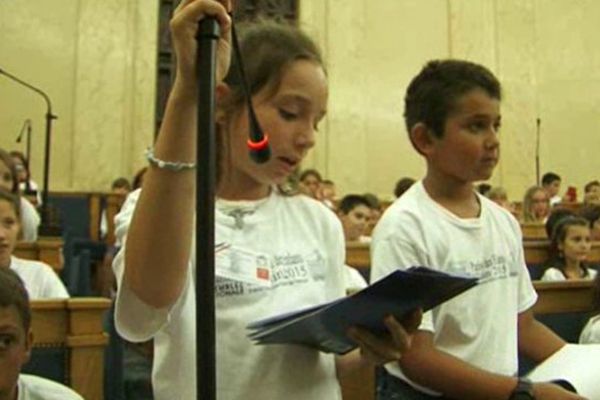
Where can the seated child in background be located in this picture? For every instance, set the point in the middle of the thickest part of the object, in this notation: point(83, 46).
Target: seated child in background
point(498, 195)
point(310, 183)
point(551, 184)
point(484, 188)
point(15, 347)
point(328, 193)
point(591, 331)
point(569, 249)
point(376, 211)
point(120, 186)
point(26, 184)
point(30, 219)
point(591, 193)
point(536, 205)
point(354, 213)
point(39, 278)
point(592, 214)
point(402, 186)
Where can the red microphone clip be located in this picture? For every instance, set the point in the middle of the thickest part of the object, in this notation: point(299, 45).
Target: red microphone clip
point(258, 146)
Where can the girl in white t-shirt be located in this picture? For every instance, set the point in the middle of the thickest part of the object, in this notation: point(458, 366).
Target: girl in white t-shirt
point(569, 250)
point(256, 220)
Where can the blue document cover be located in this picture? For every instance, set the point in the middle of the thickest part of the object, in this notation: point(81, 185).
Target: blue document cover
point(324, 326)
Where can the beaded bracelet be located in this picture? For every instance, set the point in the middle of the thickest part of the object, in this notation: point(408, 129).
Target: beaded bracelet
point(169, 165)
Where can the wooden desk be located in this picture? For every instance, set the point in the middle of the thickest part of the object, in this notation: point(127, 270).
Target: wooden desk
point(357, 255)
point(48, 250)
point(75, 324)
point(536, 252)
point(566, 296)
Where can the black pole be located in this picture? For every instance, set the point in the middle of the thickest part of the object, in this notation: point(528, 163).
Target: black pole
point(46, 227)
point(208, 35)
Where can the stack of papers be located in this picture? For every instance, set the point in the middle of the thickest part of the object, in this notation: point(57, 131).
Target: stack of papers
point(324, 326)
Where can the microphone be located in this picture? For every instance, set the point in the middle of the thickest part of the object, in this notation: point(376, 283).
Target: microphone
point(26, 125)
point(258, 141)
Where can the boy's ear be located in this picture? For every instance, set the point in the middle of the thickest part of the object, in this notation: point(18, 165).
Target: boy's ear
point(28, 344)
point(421, 138)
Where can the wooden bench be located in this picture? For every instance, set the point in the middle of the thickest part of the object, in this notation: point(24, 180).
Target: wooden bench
point(563, 297)
point(74, 325)
point(533, 231)
point(536, 253)
point(48, 250)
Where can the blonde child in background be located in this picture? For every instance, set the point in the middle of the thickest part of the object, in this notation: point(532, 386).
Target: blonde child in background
point(536, 205)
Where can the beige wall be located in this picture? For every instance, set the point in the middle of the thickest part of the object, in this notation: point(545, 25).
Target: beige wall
point(544, 52)
point(97, 60)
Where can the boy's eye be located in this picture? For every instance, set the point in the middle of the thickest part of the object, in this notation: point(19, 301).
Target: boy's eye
point(6, 341)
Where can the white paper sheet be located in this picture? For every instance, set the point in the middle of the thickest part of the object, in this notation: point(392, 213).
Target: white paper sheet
point(579, 364)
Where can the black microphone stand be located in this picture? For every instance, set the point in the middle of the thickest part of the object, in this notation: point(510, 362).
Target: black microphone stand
point(26, 128)
point(47, 228)
point(208, 36)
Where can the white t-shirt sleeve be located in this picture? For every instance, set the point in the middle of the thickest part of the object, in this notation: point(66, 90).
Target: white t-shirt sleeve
point(135, 320)
point(552, 275)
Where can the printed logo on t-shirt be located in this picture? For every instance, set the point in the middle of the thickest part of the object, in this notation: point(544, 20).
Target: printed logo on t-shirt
point(488, 269)
point(287, 269)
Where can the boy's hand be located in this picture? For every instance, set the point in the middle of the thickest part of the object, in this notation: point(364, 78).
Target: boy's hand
point(549, 391)
point(380, 350)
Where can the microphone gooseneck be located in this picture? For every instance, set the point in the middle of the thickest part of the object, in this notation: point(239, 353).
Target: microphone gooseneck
point(258, 141)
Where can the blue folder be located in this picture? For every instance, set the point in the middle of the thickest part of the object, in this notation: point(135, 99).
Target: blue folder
point(324, 326)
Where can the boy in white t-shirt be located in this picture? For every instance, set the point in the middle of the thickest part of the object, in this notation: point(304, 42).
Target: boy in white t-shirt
point(16, 339)
point(466, 348)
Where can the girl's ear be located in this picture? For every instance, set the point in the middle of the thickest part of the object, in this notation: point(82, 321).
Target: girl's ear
point(422, 139)
point(222, 93)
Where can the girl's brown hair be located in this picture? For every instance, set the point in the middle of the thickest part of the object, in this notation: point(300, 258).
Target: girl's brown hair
point(267, 49)
point(559, 234)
